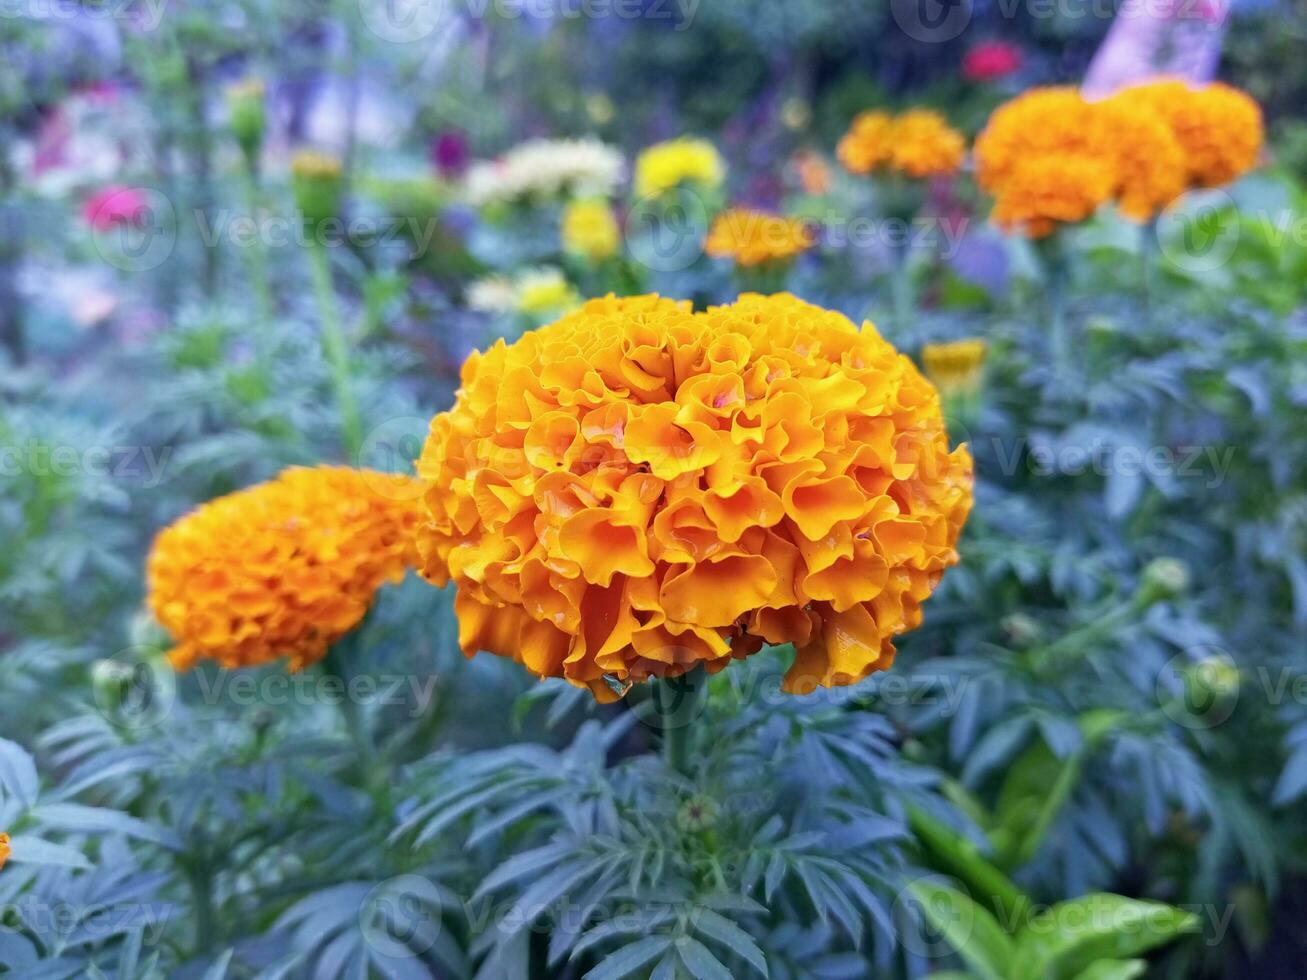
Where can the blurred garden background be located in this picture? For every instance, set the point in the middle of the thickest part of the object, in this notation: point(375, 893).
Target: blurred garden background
point(238, 236)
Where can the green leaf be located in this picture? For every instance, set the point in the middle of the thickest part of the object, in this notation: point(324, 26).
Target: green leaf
point(1114, 970)
point(1068, 938)
point(723, 930)
point(699, 960)
point(948, 851)
point(968, 928)
point(34, 850)
point(630, 958)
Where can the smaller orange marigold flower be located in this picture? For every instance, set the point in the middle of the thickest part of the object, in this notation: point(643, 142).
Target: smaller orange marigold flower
point(1148, 159)
point(4, 850)
point(1046, 191)
point(284, 568)
point(1052, 120)
point(918, 143)
point(756, 237)
point(1219, 127)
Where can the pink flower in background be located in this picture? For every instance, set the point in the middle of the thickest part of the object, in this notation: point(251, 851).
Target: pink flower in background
point(991, 60)
point(450, 153)
point(114, 205)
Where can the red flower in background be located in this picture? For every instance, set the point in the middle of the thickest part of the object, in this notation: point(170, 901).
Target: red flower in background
point(114, 205)
point(991, 60)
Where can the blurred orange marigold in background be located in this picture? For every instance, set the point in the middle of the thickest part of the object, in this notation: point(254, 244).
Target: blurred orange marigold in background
point(1148, 161)
point(755, 237)
point(1219, 127)
point(4, 850)
point(637, 489)
point(1044, 191)
point(284, 568)
point(1052, 120)
point(919, 143)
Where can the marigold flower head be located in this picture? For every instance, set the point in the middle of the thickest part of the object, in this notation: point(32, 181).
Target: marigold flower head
point(589, 229)
point(955, 367)
point(284, 568)
point(665, 166)
point(1046, 191)
point(918, 143)
point(1219, 127)
point(638, 488)
point(755, 237)
point(1148, 159)
point(1051, 120)
point(316, 183)
point(5, 850)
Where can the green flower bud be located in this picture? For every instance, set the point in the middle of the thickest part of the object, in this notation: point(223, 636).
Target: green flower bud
point(1162, 579)
point(1210, 683)
point(316, 180)
point(698, 814)
point(145, 632)
point(249, 119)
point(1022, 631)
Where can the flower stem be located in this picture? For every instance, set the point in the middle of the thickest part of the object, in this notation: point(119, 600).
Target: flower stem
point(679, 702)
point(336, 348)
point(901, 287)
point(258, 257)
point(1055, 269)
point(201, 883)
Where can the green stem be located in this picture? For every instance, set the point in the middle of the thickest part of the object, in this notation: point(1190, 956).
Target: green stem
point(901, 288)
point(201, 883)
point(258, 256)
point(1147, 240)
point(336, 348)
point(679, 703)
point(1055, 269)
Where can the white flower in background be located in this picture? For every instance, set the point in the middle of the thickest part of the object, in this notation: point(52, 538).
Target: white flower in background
point(546, 169)
point(540, 292)
point(493, 294)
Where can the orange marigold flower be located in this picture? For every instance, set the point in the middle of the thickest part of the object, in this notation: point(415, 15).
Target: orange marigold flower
point(755, 237)
point(1148, 159)
point(1053, 120)
point(638, 488)
point(918, 143)
point(1045, 191)
point(4, 850)
point(1219, 127)
point(284, 568)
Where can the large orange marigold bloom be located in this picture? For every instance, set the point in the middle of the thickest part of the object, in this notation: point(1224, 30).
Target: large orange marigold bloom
point(284, 568)
point(918, 143)
point(753, 238)
point(1219, 127)
point(637, 489)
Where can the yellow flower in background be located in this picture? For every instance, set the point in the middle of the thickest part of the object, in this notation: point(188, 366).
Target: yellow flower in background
point(589, 229)
point(1219, 127)
point(284, 568)
point(544, 290)
point(4, 850)
point(956, 367)
point(752, 238)
point(638, 489)
point(918, 143)
point(1044, 192)
point(665, 166)
point(866, 146)
point(1148, 160)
